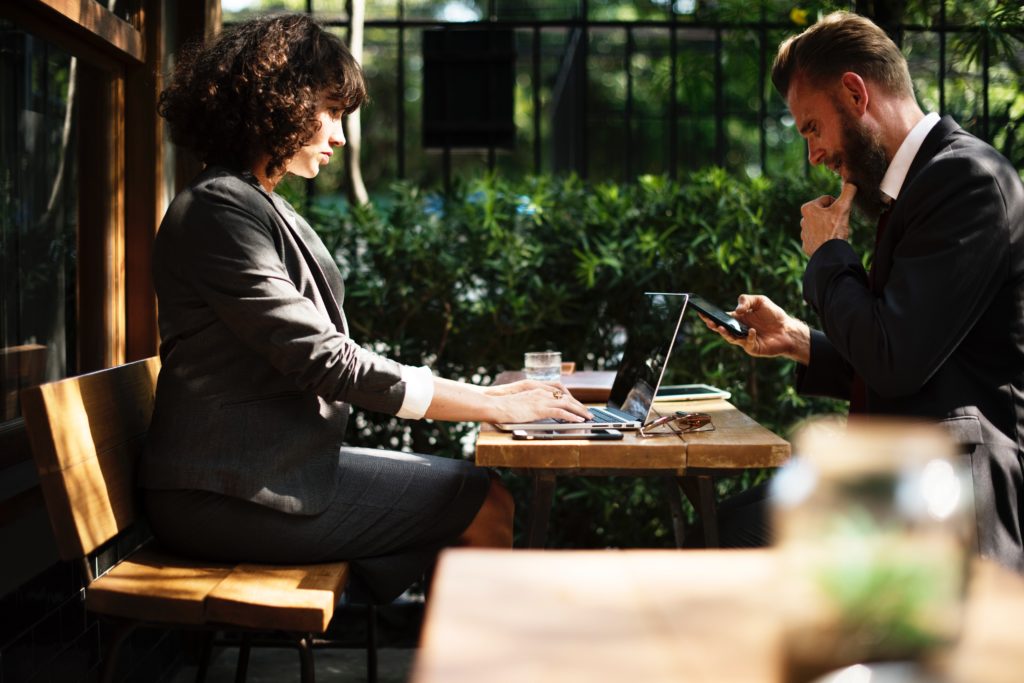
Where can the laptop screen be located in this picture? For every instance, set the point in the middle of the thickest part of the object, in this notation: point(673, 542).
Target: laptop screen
point(649, 344)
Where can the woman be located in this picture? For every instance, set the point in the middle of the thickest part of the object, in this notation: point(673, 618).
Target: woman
point(245, 458)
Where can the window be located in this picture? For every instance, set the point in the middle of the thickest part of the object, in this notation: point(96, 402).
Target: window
point(38, 212)
point(81, 180)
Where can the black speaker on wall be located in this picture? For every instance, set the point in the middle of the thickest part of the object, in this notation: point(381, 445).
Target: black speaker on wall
point(469, 88)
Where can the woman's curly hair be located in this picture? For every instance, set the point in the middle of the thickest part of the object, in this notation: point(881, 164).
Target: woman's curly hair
point(254, 91)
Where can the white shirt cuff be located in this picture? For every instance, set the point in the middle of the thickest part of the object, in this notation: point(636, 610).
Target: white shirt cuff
point(419, 392)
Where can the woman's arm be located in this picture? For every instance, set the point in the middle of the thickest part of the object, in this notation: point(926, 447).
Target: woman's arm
point(523, 401)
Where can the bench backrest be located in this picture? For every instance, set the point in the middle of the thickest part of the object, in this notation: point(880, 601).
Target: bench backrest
point(86, 434)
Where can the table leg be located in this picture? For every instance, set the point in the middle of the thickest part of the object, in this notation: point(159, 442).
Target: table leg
point(540, 508)
point(700, 490)
point(675, 506)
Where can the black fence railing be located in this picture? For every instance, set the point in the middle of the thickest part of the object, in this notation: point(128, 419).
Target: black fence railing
point(614, 99)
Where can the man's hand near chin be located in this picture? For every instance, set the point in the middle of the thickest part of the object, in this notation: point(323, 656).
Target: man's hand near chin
point(826, 218)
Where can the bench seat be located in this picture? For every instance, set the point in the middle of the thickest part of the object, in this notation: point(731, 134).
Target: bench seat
point(152, 585)
point(87, 433)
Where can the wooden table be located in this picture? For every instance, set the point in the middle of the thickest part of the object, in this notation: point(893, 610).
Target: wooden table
point(652, 616)
point(689, 460)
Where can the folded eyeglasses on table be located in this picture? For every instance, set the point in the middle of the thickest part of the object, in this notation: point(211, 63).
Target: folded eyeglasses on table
point(679, 422)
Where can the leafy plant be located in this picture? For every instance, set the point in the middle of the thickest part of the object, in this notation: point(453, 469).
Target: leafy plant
point(468, 282)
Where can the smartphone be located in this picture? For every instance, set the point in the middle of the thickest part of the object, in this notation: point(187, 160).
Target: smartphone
point(561, 434)
point(689, 392)
point(731, 324)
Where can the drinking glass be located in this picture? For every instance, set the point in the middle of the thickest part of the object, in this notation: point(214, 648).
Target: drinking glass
point(542, 365)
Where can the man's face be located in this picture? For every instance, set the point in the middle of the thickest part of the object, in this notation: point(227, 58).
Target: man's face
point(838, 139)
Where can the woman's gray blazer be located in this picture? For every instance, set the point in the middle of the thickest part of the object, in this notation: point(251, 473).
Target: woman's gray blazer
point(258, 369)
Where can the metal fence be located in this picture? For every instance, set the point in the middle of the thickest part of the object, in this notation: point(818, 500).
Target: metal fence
point(616, 98)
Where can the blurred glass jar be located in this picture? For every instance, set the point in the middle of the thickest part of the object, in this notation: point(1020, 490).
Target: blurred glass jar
point(874, 524)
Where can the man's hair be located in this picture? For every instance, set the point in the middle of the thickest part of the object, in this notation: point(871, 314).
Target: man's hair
point(255, 89)
point(838, 43)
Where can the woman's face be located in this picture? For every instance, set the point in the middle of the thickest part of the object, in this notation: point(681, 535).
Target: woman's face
point(318, 151)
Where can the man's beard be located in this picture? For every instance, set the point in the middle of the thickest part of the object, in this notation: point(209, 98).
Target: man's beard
point(866, 164)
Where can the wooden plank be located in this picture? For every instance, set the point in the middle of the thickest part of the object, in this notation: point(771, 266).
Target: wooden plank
point(86, 434)
point(300, 599)
point(498, 449)
point(154, 587)
point(991, 648)
point(90, 18)
point(653, 616)
point(92, 414)
point(92, 501)
point(145, 202)
point(737, 442)
point(589, 617)
point(662, 452)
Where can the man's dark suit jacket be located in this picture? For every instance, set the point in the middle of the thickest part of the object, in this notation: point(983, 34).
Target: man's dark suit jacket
point(939, 331)
point(258, 368)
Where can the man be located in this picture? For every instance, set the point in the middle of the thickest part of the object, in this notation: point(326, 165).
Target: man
point(936, 328)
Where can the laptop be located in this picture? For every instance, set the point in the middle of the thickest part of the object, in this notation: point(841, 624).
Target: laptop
point(649, 345)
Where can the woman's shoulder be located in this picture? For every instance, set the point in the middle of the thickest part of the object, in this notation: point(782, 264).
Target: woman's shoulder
point(219, 184)
point(218, 200)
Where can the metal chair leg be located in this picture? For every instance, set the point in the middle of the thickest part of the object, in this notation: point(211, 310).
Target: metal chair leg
point(242, 669)
point(205, 655)
point(121, 632)
point(371, 644)
point(308, 669)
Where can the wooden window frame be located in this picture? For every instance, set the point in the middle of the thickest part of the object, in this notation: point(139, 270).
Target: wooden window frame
point(110, 50)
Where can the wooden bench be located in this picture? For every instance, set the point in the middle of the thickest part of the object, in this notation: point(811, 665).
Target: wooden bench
point(87, 433)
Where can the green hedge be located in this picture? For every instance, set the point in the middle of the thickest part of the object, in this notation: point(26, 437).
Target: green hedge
point(467, 283)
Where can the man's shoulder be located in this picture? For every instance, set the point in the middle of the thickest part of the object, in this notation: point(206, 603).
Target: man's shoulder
point(961, 159)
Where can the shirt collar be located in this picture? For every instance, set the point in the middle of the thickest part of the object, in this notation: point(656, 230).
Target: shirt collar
point(892, 183)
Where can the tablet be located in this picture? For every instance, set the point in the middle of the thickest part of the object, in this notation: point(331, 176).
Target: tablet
point(689, 392)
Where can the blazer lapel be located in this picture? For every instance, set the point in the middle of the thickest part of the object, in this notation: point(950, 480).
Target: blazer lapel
point(895, 227)
point(328, 280)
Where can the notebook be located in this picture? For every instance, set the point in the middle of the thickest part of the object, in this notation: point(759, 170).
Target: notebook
point(649, 344)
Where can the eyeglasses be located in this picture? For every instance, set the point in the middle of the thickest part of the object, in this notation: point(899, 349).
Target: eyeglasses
point(680, 422)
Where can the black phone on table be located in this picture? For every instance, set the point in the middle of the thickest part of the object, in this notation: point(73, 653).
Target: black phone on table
point(731, 324)
point(563, 434)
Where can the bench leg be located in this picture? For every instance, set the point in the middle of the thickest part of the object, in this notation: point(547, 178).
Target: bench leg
point(205, 655)
point(371, 644)
point(242, 669)
point(307, 669)
point(121, 632)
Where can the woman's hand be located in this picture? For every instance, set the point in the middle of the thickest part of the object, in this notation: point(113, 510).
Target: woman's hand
point(773, 332)
point(521, 386)
point(524, 401)
point(529, 400)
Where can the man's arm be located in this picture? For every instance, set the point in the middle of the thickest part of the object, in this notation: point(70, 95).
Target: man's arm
point(940, 262)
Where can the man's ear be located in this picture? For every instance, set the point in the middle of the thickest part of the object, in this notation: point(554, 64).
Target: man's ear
point(854, 92)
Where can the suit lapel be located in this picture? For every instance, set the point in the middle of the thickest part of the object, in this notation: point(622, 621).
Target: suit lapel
point(328, 280)
point(896, 226)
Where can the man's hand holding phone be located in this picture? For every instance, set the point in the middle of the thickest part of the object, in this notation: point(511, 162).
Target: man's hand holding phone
point(709, 311)
point(771, 331)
